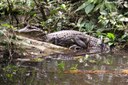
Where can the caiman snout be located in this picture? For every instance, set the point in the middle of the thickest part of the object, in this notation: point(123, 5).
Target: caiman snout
point(29, 28)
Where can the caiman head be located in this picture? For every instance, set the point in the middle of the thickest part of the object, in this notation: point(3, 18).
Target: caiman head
point(98, 46)
point(29, 28)
point(102, 48)
point(31, 32)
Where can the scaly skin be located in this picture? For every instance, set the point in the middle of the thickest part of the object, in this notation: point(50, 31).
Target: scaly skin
point(72, 37)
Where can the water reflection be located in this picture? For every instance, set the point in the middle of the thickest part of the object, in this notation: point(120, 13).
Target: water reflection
point(52, 72)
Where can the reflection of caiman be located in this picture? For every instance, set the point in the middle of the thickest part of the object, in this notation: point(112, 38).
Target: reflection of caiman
point(72, 38)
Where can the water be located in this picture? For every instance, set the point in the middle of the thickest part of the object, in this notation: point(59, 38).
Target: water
point(105, 69)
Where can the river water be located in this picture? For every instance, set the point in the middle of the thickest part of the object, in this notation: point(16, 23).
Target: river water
point(103, 69)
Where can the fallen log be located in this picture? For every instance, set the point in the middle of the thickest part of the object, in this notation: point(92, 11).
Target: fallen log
point(38, 48)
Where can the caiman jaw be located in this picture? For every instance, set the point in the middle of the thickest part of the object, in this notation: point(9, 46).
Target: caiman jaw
point(29, 28)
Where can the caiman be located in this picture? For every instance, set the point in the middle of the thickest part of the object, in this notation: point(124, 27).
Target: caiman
point(72, 39)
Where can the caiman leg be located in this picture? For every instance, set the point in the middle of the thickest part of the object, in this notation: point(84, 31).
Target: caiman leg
point(53, 41)
point(75, 47)
point(80, 41)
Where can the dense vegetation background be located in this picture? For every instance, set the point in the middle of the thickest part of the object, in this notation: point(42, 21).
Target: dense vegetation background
point(101, 18)
point(107, 19)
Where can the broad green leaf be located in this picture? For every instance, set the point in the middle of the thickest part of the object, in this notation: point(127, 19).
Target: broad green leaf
point(100, 1)
point(63, 6)
point(89, 8)
point(74, 67)
point(82, 6)
point(8, 26)
point(95, 1)
point(111, 36)
point(54, 11)
point(102, 6)
point(91, 0)
point(123, 19)
point(1, 33)
point(103, 12)
point(120, 27)
point(113, 21)
point(86, 57)
point(79, 21)
point(126, 13)
point(61, 65)
point(97, 7)
point(126, 4)
point(36, 59)
point(110, 6)
point(110, 43)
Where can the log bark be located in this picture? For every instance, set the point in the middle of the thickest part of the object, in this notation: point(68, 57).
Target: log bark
point(38, 48)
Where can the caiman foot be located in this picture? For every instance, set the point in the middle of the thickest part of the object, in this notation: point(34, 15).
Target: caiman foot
point(75, 48)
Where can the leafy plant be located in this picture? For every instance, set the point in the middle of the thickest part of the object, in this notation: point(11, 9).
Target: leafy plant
point(95, 5)
point(86, 26)
point(10, 71)
point(74, 67)
point(111, 38)
point(61, 66)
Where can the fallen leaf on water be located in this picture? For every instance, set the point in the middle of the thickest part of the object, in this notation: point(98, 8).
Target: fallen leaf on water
point(88, 71)
point(125, 71)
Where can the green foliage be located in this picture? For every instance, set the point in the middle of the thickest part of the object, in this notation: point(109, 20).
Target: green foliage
point(74, 67)
point(86, 26)
point(63, 6)
point(91, 16)
point(84, 59)
point(95, 5)
point(103, 16)
point(89, 8)
point(61, 66)
point(10, 71)
point(37, 60)
point(101, 7)
point(111, 36)
point(112, 20)
point(8, 26)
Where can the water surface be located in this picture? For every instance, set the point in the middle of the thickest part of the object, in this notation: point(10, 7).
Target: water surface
point(65, 72)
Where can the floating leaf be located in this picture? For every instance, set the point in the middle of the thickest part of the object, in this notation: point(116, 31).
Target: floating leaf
point(125, 71)
point(88, 71)
point(72, 71)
